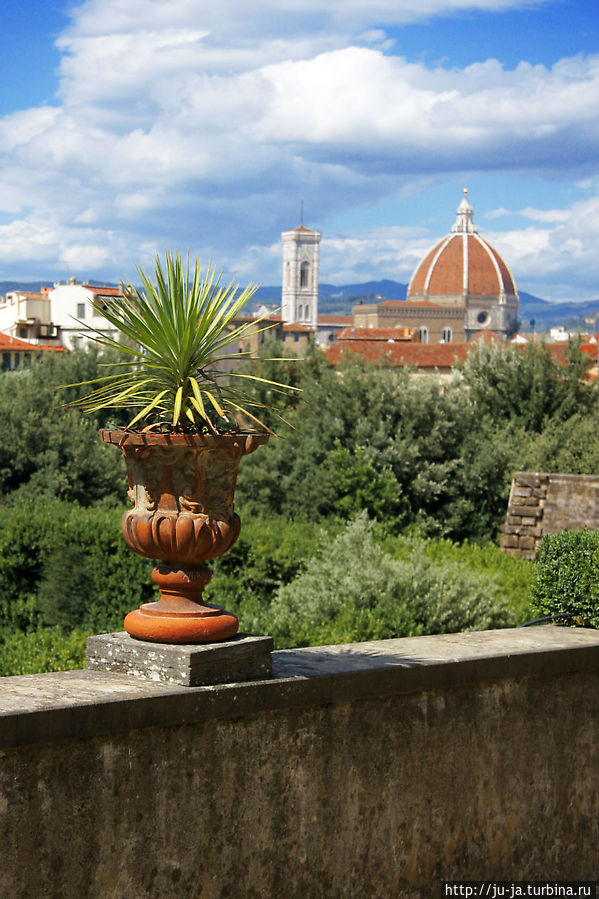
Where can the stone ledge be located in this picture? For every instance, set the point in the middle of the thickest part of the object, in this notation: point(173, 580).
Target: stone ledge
point(66, 705)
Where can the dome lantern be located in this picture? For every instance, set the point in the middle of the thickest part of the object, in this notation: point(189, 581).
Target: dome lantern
point(464, 223)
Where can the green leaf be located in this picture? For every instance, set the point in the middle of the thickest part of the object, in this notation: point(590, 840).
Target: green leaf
point(177, 405)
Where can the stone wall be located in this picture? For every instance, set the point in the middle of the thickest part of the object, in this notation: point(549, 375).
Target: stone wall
point(542, 503)
point(366, 770)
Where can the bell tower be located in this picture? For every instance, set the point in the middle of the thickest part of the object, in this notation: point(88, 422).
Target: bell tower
point(299, 299)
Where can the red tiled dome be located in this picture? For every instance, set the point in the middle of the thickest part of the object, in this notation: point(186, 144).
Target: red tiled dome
point(463, 263)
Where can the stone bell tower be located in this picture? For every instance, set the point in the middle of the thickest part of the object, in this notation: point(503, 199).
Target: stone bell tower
point(300, 276)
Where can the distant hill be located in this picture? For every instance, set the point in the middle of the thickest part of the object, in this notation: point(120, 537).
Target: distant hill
point(29, 287)
point(546, 315)
point(36, 286)
point(339, 299)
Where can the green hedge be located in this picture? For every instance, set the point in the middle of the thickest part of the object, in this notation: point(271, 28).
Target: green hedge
point(49, 649)
point(63, 565)
point(567, 577)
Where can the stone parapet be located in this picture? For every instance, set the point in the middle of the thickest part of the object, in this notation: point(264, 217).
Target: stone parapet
point(375, 769)
point(542, 503)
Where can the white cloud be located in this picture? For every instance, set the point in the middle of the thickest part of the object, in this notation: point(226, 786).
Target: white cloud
point(497, 213)
point(546, 215)
point(185, 123)
point(237, 17)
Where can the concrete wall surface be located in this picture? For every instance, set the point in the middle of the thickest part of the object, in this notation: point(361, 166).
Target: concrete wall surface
point(366, 770)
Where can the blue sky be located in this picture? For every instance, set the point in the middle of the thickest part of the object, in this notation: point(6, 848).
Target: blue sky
point(129, 126)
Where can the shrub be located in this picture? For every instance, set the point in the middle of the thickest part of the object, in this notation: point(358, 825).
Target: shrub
point(270, 551)
point(512, 576)
point(352, 590)
point(567, 577)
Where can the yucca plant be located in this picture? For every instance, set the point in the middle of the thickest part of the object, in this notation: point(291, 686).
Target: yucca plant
point(176, 331)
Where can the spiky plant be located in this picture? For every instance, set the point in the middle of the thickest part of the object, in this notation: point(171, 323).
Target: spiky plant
point(176, 331)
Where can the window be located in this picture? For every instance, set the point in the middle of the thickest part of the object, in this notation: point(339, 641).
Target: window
point(482, 318)
point(299, 310)
point(22, 333)
point(307, 312)
point(80, 310)
point(446, 336)
point(423, 334)
point(304, 274)
point(296, 337)
point(5, 361)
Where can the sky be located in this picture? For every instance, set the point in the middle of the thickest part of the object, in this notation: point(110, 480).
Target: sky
point(131, 126)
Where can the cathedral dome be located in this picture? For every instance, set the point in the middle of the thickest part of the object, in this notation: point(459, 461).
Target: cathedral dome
point(461, 267)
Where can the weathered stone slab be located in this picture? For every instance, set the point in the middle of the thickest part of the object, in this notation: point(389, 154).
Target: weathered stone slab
point(243, 658)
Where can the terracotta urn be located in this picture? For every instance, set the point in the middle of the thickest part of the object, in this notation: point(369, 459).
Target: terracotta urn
point(181, 487)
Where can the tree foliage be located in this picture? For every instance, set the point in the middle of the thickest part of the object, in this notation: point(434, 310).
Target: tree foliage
point(421, 460)
point(47, 450)
point(527, 384)
point(408, 450)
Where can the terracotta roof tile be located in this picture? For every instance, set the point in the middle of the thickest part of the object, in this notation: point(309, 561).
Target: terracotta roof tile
point(441, 272)
point(16, 344)
point(335, 319)
point(430, 356)
point(418, 279)
point(420, 355)
point(446, 276)
point(105, 291)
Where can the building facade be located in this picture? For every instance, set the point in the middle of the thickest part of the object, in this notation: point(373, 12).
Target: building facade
point(57, 316)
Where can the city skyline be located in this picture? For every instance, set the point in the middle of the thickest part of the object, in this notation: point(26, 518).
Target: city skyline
point(139, 125)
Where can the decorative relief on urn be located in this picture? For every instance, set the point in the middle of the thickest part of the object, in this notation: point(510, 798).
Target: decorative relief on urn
point(182, 488)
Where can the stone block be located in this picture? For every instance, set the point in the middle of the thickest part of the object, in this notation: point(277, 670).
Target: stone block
point(509, 540)
point(529, 521)
point(527, 543)
point(522, 491)
point(529, 508)
point(527, 479)
point(242, 658)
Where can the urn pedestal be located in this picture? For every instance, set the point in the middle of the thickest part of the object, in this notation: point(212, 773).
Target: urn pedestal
point(181, 487)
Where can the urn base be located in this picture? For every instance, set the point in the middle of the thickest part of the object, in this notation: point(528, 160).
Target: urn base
point(180, 616)
point(205, 626)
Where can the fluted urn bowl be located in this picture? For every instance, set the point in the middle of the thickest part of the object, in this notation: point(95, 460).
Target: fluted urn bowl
point(181, 487)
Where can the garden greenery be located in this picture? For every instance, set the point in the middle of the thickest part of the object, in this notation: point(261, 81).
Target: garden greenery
point(567, 578)
point(377, 515)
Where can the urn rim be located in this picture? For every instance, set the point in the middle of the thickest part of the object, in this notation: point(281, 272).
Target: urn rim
point(121, 437)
